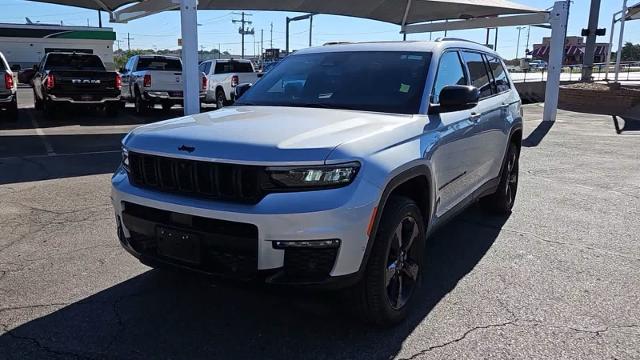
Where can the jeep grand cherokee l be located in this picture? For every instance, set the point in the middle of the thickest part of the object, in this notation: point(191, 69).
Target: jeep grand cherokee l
point(330, 171)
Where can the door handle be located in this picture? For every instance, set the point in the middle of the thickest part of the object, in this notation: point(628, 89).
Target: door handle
point(475, 117)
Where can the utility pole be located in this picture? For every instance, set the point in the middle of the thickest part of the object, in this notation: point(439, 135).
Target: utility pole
point(129, 38)
point(589, 51)
point(518, 42)
point(528, 34)
point(243, 30)
point(261, 42)
point(118, 41)
point(495, 41)
point(99, 18)
point(271, 43)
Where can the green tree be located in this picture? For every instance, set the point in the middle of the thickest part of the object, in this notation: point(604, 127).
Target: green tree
point(630, 52)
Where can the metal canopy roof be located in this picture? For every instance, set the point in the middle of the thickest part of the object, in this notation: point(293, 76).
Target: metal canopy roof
point(391, 11)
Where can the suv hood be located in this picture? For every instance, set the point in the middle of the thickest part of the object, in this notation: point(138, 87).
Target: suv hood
point(261, 134)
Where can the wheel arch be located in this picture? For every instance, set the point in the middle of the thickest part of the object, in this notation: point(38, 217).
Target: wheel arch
point(407, 183)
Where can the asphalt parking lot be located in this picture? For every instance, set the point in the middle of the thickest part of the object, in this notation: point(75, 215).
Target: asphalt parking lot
point(559, 278)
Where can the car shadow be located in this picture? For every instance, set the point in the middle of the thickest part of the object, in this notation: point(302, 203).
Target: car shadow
point(160, 314)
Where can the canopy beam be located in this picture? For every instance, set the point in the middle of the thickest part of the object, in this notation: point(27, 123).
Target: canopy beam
point(478, 23)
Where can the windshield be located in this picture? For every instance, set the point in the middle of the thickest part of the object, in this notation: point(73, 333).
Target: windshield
point(73, 62)
point(381, 81)
point(159, 64)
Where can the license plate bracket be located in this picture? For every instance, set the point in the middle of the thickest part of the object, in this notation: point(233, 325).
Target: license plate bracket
point(179, 245)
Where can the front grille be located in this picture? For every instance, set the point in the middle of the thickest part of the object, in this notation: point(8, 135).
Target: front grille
point(226, 248)
point(228, 182)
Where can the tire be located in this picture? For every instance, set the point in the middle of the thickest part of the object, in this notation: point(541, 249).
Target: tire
point(12, 111)
point(141, 106)
point(221, 99)
point(37, 103)
point(501, 202)
point(50, 109)
point(387, 290)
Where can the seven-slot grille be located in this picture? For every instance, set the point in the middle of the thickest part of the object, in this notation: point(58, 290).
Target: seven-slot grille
point(230, 182)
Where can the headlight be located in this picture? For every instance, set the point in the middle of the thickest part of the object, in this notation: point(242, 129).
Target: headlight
point(125, 159)
point(326, 176)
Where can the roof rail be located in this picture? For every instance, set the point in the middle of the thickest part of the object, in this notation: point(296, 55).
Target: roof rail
point(455, 39)
point(337, 43)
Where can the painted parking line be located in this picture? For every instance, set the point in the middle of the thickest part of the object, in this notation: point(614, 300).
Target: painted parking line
point(41, 134)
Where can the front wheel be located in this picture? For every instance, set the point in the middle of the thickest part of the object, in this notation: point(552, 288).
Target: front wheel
point(394, 270)
point(141, 106)
point(221, 99)
point(501, 202)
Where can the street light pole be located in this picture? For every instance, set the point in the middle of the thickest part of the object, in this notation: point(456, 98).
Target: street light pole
point(518, 42)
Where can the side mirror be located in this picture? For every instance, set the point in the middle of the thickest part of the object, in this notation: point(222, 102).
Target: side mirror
point(457, 97)
point(259, 75)
point(241, 89)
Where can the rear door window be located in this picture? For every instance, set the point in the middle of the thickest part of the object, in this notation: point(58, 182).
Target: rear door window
point(450, 72)
point(499, 74)
point(205, 67)
point(159, 64)
point(478, 72)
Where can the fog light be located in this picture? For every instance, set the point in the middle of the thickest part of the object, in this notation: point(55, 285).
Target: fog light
point(307, 244)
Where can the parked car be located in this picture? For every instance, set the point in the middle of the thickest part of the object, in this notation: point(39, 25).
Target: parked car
point(75, 79)
point(223, 76)
point(537, 65)
point(331, 171)
point(154, 79)
point(8, 91)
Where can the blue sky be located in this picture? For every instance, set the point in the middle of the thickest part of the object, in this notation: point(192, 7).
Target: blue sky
point(162, 30)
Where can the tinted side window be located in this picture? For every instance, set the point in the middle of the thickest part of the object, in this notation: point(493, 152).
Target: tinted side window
point(478, 72)
point(499, 74)
point(450, 72)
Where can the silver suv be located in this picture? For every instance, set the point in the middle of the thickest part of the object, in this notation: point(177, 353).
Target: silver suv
point(331, 171)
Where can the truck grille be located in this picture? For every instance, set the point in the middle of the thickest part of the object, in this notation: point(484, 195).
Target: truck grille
point(228, 182)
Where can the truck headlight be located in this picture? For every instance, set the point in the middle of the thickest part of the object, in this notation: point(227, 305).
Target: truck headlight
point(325, 176)
point(125, 159)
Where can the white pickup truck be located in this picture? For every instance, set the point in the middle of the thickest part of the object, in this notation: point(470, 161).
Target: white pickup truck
point(223, 76)
point(8, 89)
point(154, 79)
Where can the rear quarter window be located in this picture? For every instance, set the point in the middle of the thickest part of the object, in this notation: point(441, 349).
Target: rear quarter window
point(499, 74)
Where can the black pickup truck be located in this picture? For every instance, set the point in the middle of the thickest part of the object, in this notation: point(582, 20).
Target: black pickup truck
point(76, 79)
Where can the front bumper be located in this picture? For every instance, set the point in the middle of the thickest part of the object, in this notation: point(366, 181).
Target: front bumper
point(342, 214)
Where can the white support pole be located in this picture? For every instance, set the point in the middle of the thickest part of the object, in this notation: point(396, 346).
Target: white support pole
point(623, 16)
point(610, 49)
point(190, 76)
point(558, 19)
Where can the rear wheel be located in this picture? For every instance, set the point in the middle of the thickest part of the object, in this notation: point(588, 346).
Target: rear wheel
point(394, 269)
point(50, 109)
point(221, 99)
point(12, 111)
point(37, 103)
point(501, 202)
point(141, 106)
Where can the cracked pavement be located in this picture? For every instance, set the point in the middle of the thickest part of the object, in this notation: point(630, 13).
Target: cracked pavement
point(557, 279)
